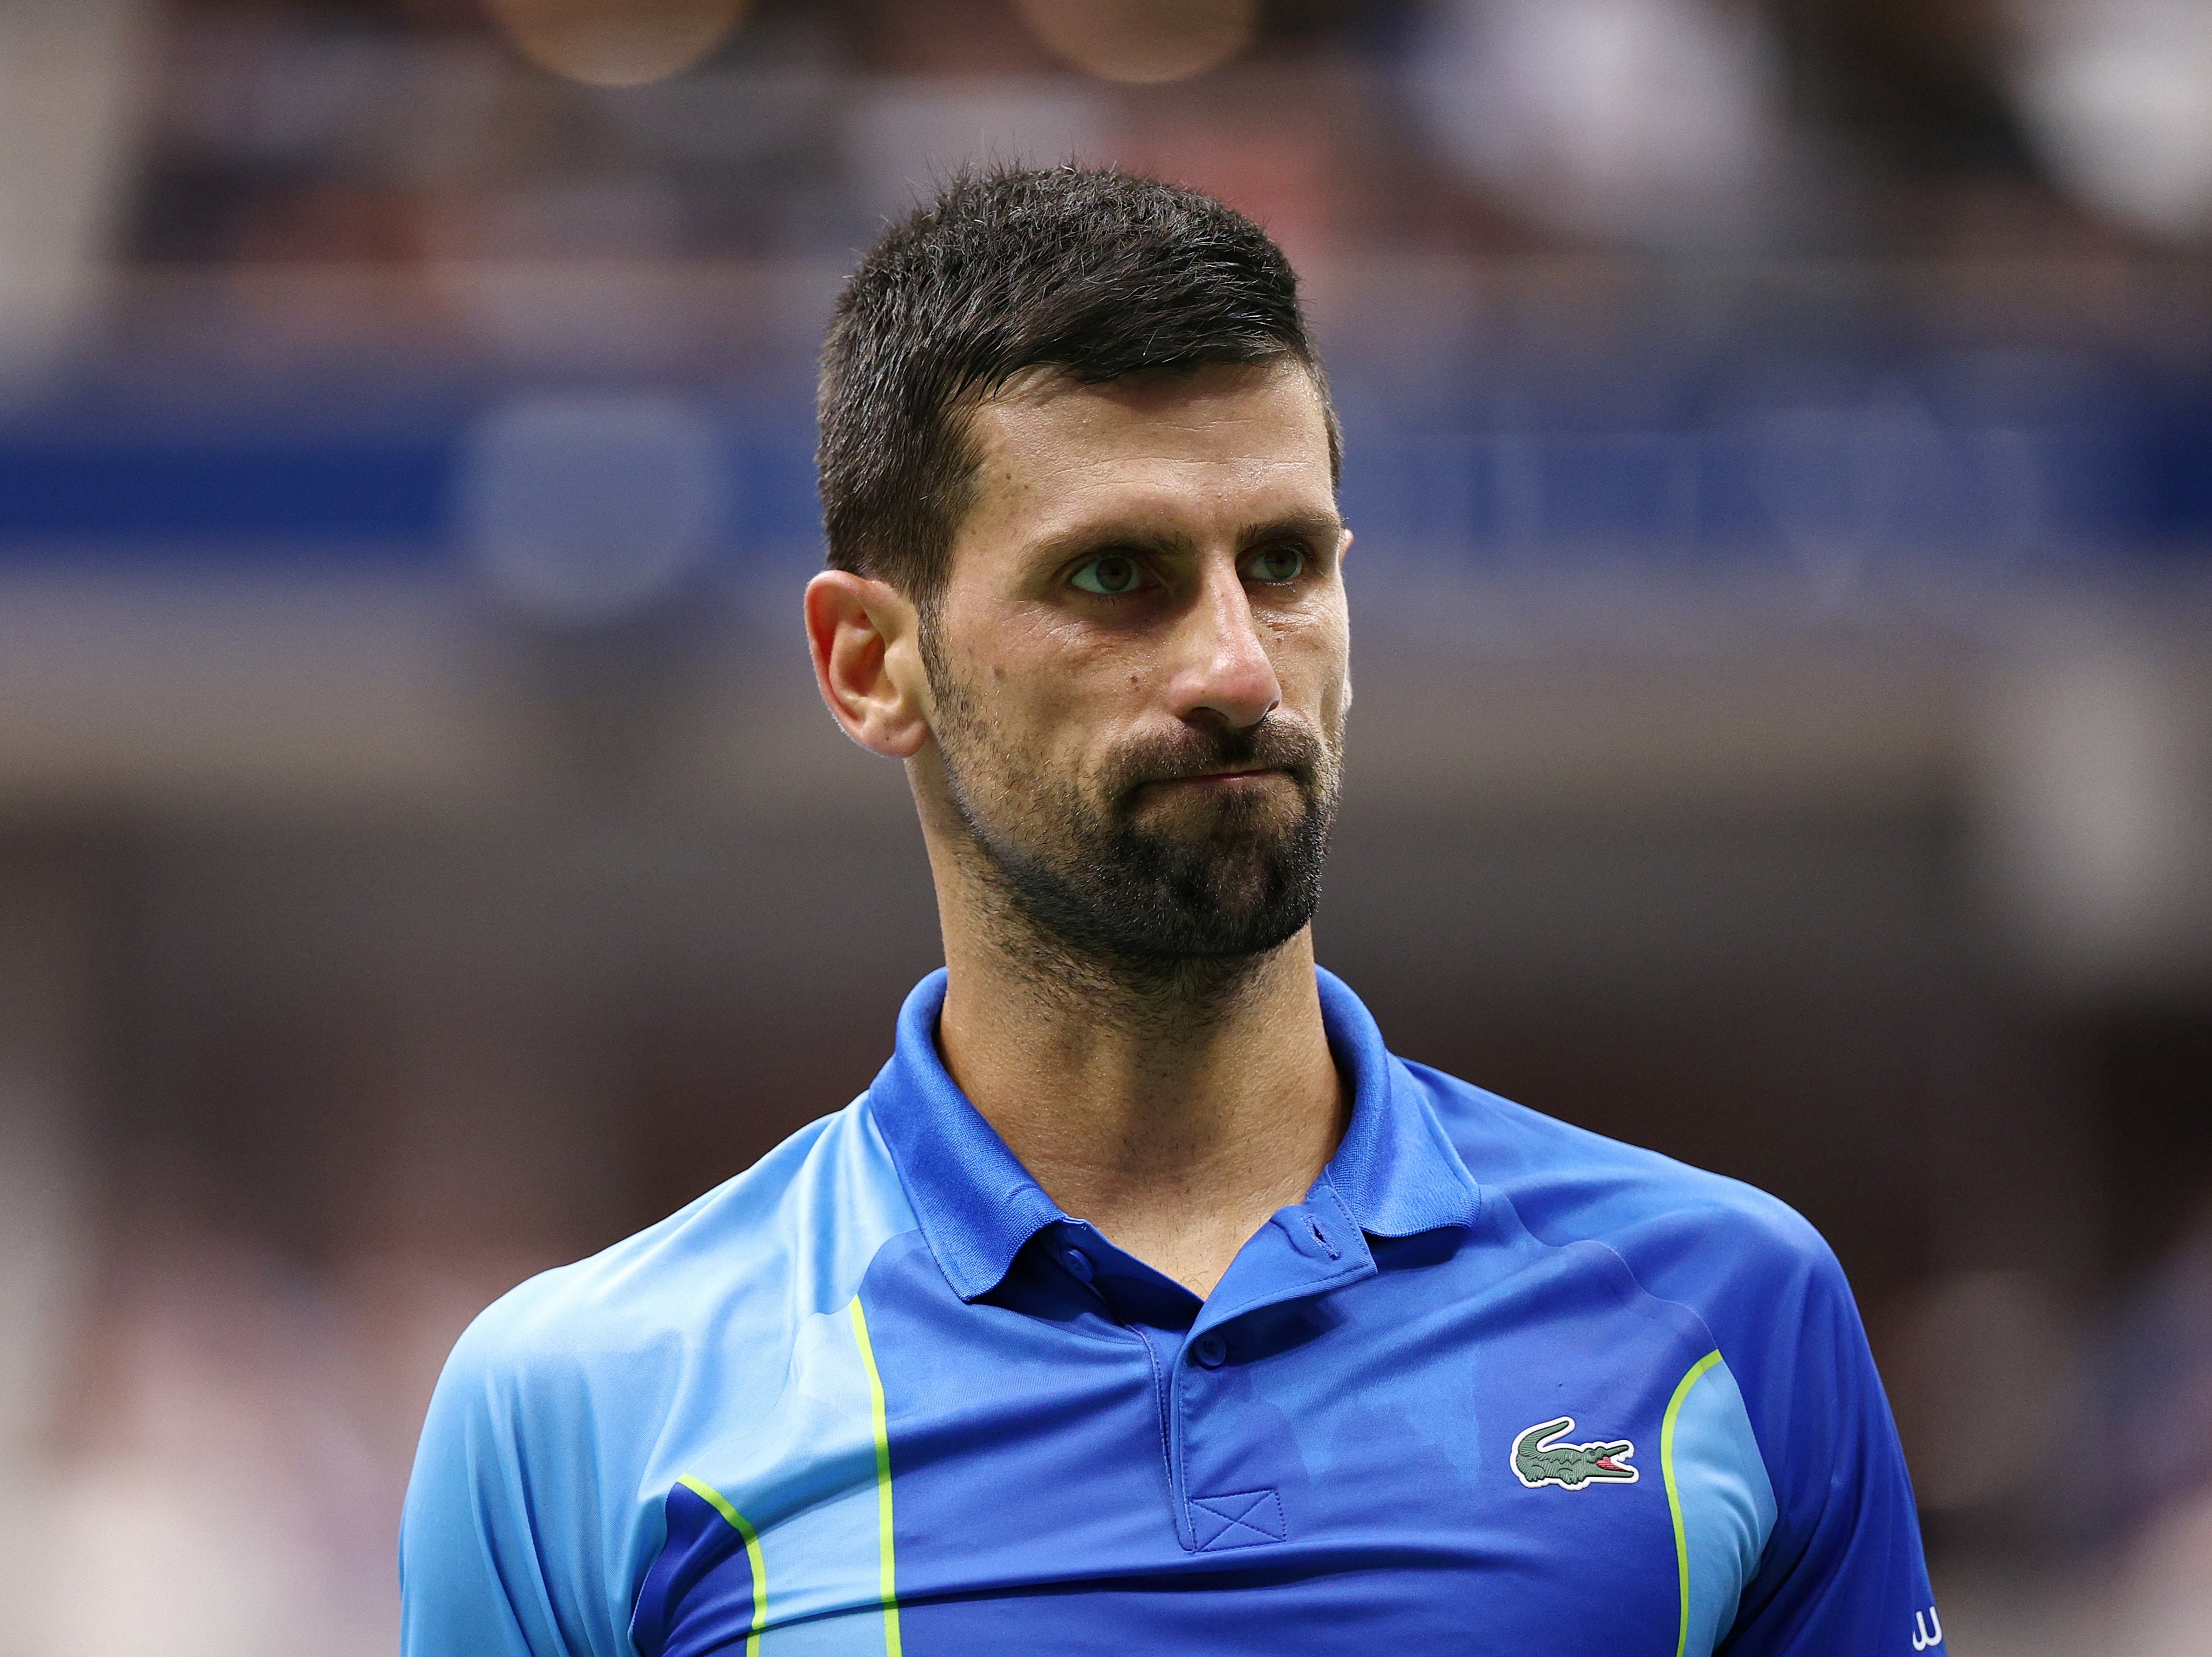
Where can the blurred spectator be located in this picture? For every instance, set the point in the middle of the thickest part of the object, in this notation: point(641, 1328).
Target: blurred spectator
point(1650, 122)
point(1779, 439)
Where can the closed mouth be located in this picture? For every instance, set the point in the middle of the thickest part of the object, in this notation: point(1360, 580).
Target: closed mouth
point(1249, 775)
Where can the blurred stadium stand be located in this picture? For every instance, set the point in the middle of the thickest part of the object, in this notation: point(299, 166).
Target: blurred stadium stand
point(1781, 453)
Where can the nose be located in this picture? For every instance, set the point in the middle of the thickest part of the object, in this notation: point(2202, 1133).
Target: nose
point(1225, 672)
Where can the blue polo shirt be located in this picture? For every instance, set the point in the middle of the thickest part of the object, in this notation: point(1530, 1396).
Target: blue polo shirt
point(1497, 1385)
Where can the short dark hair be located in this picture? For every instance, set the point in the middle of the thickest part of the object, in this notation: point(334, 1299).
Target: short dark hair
point(1090, 272)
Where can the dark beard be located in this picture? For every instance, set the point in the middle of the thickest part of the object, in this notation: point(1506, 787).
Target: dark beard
point(1138, 901)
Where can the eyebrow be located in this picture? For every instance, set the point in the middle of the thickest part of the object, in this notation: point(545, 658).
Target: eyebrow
point(1324, 529)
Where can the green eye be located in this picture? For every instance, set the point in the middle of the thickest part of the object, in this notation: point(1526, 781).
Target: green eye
point(1109, 576)
point(1277, 564)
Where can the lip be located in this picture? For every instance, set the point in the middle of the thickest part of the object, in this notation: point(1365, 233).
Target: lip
point(1244, 778)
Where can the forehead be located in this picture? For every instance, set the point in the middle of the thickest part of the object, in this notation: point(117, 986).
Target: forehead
point(1226, 442)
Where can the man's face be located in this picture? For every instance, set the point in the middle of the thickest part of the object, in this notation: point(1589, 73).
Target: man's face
point(1139, 663)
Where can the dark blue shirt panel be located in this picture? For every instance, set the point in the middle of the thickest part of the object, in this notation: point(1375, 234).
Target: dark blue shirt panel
point(1059, 1472)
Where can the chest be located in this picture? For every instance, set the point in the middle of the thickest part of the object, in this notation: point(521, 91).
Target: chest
point(1438, 1460)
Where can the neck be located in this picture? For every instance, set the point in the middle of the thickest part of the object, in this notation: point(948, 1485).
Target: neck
point(1175, 1109)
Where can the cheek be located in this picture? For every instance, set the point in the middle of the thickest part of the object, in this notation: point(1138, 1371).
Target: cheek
point(1077, 683)
point(1042, 695)
point(1312, 651)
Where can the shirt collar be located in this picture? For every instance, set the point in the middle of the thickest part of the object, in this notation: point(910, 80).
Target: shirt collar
point(1395, 1172)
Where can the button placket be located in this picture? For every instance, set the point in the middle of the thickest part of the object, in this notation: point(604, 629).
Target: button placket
point(1222, 1500)
point(1214, 1520)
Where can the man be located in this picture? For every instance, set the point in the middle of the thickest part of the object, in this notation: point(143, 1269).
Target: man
point(1146, 1303)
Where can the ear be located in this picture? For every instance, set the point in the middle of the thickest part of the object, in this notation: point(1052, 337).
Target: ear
point(865, 640)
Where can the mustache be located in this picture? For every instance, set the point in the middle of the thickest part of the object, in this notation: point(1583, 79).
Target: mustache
point(1275, 744)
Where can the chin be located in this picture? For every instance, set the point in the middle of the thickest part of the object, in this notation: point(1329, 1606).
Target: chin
point(1269, 814)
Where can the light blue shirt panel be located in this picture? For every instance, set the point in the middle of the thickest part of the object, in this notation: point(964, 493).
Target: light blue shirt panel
point(846, 1205)
point(801, 1466)
point(1727, 1503)
point(496, 1541)
point(810, 1489)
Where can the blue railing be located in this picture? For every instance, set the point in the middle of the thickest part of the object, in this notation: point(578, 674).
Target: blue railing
point(2124, 473)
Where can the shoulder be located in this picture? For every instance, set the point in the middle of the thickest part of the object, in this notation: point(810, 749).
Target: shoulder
point(711, 1284)
point(1763, 1283)
point(568, 1406)
point(1688, 1234)
point(1842, 1569)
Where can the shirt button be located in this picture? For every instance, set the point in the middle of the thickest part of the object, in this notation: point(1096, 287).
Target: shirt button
point(1210, 1350)
point(1078, 1264)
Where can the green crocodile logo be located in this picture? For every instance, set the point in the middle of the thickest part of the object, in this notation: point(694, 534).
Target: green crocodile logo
point(1539, 1459)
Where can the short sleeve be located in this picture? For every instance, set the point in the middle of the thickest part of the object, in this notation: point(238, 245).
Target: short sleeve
point(471, 1582)
point(522, 1534)
point(1843, 1575)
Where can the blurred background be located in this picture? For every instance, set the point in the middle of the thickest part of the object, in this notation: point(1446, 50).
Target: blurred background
point(1781, 453)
